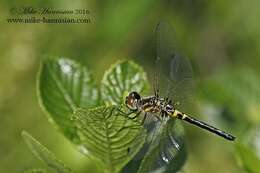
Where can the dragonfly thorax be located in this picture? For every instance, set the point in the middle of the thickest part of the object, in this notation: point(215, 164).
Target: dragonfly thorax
point(151, 104)
point(156, 105)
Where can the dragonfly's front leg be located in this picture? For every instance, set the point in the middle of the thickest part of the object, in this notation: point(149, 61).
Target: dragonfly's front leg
point(133, 118)
point(137, 113)
point(124, 113)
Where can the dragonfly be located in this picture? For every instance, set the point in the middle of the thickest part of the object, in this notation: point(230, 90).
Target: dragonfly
point(178, 74)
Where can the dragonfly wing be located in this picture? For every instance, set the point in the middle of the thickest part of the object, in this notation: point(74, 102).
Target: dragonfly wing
point(172, 148)
point(165, 48)
point(176, 74)
point(165, 40)
point(166, 148)
point(180, 79)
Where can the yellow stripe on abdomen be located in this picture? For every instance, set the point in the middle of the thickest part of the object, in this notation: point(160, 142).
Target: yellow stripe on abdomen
point(178, 114)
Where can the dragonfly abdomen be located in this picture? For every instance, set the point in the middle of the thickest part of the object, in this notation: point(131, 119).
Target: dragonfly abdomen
point(194, 121)
point(162, 108)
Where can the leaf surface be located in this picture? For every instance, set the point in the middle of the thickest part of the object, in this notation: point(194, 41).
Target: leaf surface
point(110, 135)
point(64, 85)
point(120, 79)
point(45, 155)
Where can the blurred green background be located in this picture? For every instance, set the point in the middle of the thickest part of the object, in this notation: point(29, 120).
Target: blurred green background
point(221, 38)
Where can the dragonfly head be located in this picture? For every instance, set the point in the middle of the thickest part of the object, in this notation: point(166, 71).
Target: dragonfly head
point(132, 99)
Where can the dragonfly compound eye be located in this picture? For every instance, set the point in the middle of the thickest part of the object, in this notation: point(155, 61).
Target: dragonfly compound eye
point(132, 99)
point(135, 95)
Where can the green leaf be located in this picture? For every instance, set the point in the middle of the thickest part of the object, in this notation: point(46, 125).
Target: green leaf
point(120, 79)
point(166, 148)
point(64, 85)
point(248, 158)
point(110, 135)
point(44, 154)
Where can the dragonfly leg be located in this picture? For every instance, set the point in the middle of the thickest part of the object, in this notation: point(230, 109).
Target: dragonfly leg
point(136, 115)
point(128, 113)
point(133, 126)
point(129, 127)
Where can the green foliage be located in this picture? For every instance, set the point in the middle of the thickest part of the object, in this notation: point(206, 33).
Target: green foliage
point(121, 79)
point(44, 155)
point(109, 135)
point(64, 85)
point(248, 159)
point(214, 34)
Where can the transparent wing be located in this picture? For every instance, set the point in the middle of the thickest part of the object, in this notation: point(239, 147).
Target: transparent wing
point(167, 147)
point(180, 81)
point(164, 149)
point(165, 48)
point(176, 74)
point(165, 40)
